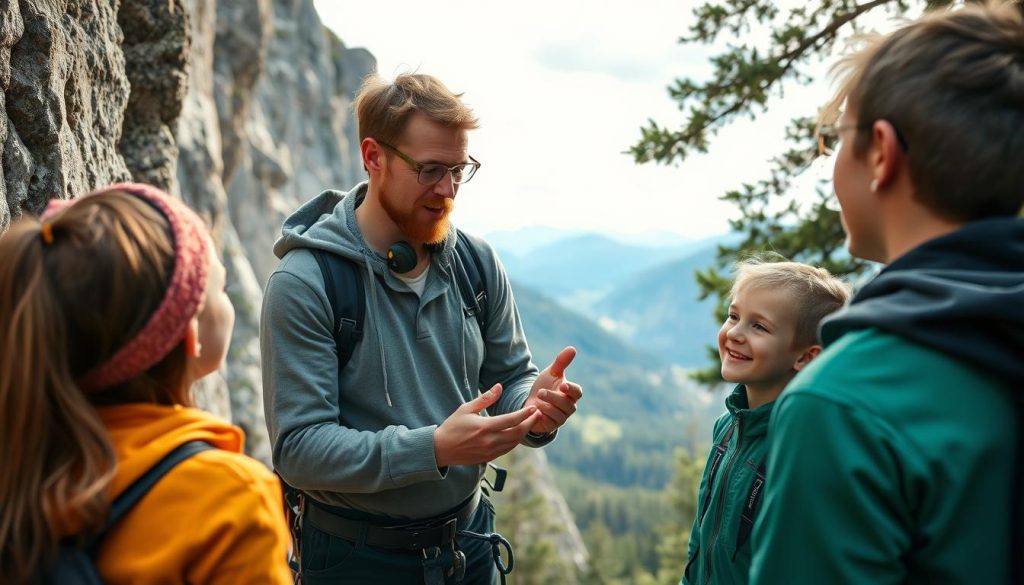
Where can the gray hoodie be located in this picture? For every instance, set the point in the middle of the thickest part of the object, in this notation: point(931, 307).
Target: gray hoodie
point(367, 443)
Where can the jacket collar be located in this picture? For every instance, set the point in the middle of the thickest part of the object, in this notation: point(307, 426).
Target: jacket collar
point(755, 421)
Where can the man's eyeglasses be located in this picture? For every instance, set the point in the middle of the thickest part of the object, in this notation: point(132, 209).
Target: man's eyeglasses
point(431, 173)
point(830, 134)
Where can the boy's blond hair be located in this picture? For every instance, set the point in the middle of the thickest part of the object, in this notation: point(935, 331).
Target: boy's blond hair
point(816, 293)
point(383, 108)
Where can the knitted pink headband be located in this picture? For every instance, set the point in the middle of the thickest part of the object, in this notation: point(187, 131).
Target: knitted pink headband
point(166, 327)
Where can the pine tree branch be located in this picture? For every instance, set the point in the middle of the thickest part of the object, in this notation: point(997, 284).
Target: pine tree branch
point(663, 146)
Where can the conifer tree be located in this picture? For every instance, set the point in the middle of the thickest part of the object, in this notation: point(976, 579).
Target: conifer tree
point(745, 76)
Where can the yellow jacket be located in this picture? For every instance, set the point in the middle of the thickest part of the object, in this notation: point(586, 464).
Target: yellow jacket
point(217, 517)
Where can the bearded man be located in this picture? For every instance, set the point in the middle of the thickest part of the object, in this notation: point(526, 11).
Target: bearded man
point(389, 449)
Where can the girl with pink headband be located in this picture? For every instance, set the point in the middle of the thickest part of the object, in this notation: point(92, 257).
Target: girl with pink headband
point(112, 305)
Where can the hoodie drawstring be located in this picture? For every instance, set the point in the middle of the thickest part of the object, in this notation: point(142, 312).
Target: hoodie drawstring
point(374, 314)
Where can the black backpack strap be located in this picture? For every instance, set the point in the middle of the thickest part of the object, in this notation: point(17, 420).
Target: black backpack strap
point(474, 297)
point(344, 288)
point(716, 463)
point(140, 487)
point(750, 505)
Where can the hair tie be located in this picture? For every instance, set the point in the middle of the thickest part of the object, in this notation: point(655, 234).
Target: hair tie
point(47, 233)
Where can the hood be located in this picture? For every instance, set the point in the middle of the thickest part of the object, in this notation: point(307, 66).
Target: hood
point(143, 433)
point(328, 222)
point(962, 294)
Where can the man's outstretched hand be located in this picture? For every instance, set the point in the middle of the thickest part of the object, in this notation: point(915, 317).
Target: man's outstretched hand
point(554, 395)
point(466, 438)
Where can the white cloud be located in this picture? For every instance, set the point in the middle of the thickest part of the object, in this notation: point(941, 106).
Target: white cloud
point(562, 89)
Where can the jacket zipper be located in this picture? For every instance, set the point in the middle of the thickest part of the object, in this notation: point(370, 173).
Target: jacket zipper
point(722, 483)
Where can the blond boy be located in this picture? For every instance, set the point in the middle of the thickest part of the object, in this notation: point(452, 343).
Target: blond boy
point(770, 334)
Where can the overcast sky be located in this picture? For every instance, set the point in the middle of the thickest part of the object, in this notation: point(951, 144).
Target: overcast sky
point(561, 89)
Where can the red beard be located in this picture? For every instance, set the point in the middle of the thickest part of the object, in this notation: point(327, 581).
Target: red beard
point(426, 229)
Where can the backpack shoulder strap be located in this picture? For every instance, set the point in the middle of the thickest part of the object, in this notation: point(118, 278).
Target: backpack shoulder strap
point(140, 487)
point(720, 450)
point(750, 505)
point(474, 296)
point(344, 288)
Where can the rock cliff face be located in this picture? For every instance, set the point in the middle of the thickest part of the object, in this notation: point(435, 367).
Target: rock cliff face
point(65, 92)
point(296, 136)
point(240, 107)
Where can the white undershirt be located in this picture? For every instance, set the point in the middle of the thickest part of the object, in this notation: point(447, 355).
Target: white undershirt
point(416, 283)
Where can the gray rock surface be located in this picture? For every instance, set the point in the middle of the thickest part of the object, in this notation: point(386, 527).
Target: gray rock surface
point(62, 69)
point(156, 52)
point(299, 137)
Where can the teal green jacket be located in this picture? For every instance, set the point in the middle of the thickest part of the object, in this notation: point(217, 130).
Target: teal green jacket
point(720, 550)
point(892, 455)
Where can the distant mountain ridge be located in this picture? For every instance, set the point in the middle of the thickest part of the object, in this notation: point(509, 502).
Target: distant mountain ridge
point(660, 310)
point(646, 295)
point(647, 406)
point(550, 327)
point(588, 262)
point(524, 240)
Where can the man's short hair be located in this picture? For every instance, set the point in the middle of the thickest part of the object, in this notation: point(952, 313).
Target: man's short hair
point(952, 84)
point(383, 108)
point(816, 293)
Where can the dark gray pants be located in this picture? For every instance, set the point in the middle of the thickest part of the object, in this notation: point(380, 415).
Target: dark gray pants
point(328, 560)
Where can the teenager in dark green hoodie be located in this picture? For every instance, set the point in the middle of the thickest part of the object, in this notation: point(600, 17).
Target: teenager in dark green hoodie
point(770, 333)
point(893, 456)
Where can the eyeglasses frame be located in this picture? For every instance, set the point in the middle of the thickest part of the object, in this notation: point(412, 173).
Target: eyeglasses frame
point(418, 166)
point(837, 128)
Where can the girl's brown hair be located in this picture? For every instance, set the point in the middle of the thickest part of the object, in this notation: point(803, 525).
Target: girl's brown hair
point(68, 301)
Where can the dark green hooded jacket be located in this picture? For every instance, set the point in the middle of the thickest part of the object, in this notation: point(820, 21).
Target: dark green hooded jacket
point(893, 454)
point(719, 550)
